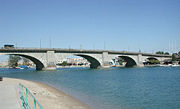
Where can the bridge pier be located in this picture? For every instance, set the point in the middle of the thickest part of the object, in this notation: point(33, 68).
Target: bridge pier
point(140, 65)
point(105, 60)
point(51, 61)
point(140, 60)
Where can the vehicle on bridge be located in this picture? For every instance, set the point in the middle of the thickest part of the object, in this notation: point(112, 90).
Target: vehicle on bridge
point(8, 46)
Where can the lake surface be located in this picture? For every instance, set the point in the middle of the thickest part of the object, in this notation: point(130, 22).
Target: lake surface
point(114, 88)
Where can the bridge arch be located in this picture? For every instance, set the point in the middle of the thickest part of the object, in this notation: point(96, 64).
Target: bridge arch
point(130, 62)
point(94, 63)
point(39, 64)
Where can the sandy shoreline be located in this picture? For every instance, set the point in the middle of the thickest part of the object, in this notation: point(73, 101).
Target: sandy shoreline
point(49, 97)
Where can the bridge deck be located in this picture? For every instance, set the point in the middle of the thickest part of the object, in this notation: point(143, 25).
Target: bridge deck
point(59, 50)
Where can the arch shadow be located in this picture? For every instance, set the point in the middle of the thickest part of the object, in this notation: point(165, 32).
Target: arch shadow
point(152, 58)
point(130, 62)
point(94, 63)
point(39, 64)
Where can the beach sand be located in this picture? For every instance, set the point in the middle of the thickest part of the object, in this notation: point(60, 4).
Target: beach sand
point(48, 97)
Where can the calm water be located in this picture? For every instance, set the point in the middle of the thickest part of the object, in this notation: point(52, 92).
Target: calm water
point(114, 88)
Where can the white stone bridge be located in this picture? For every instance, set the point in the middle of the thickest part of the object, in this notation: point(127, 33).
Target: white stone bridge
point(46, 59)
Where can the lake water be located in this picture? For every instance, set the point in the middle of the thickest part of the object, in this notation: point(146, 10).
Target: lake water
point(114, 88)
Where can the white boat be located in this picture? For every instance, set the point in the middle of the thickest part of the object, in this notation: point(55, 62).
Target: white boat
point(168, 65)
point(175, 65)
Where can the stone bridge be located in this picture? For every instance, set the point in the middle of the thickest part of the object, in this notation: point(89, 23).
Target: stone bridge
point(46, 59)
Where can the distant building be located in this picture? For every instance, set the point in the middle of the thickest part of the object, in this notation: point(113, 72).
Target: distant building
point(177, 56)
point(77, 61)
point(4, 64)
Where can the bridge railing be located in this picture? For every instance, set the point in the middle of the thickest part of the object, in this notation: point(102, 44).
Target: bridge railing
point(28, 101)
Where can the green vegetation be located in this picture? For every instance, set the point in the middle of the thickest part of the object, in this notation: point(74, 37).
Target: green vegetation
point(161, 52)
point(13, 61)
point(154, 61)
point(174, 57)
point(25, 61)
point(64, 63)
point(120, 61)
point(166, 53)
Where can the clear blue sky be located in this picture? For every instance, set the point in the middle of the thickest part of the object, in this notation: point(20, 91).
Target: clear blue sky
point(149, 25)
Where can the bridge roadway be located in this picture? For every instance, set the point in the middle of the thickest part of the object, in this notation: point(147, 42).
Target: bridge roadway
point(47, 58)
